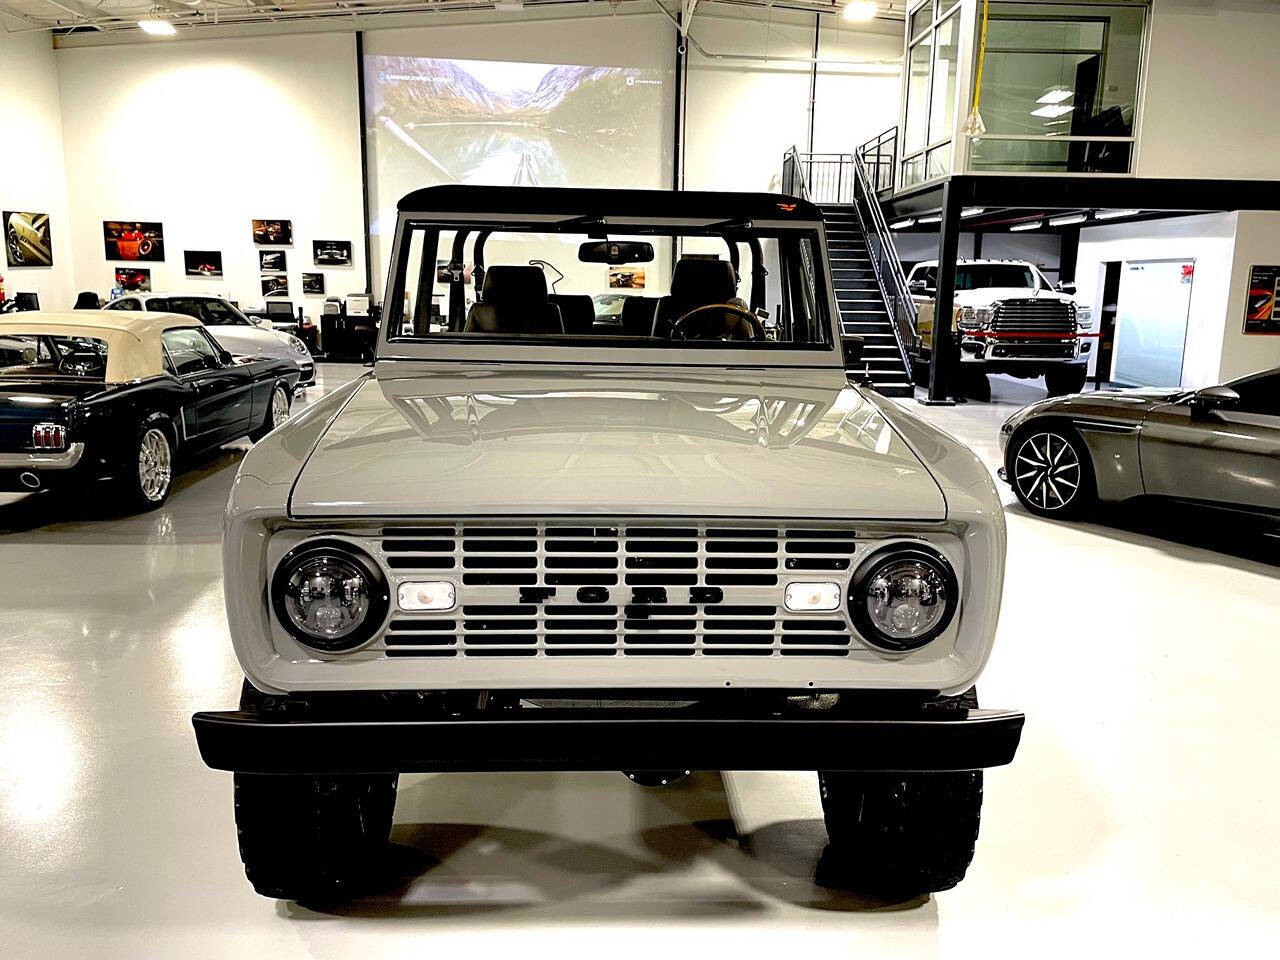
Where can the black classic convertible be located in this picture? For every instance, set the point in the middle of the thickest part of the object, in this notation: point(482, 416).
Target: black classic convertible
point(89, 396)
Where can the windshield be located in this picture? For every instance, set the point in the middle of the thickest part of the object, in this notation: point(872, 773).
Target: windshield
point(215, 313)
point(586, 282)
point(976, 276)
point(37, 355)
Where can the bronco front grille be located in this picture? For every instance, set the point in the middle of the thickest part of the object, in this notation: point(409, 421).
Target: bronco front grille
point(609, 589)
point(1041, 316)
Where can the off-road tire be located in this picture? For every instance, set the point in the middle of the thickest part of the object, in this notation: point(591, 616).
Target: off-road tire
point(316, 839)
point(1065, 378)
point(901, 835)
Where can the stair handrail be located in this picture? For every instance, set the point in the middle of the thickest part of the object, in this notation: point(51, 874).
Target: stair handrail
point(793, 181)
point(886, 264)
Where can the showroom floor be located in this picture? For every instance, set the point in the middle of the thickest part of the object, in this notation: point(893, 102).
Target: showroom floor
point(1138, 817)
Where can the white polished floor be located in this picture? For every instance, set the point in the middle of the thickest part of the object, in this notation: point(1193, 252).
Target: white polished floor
point(1140, 816)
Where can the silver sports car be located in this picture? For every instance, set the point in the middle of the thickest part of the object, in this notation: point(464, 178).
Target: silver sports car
point(1219, 446)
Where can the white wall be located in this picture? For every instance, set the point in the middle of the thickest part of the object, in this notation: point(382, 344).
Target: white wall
point(32, 178)
point(1209, 240)
point(1257, 242)
point(1211, 83)
point(743, 114)
point(207, 135)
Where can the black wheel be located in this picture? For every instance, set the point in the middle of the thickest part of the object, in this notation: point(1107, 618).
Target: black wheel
point(312, 838)
point(146, 474)
point(277, 412)
point(901, 835)
point(1050, 471)
point(1062, 379)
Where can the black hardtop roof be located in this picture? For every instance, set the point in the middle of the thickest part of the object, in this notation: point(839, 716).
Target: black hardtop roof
point(639, 204)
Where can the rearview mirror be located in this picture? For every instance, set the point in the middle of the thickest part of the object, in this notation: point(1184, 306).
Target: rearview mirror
point(614, 252)
point(1211, 398)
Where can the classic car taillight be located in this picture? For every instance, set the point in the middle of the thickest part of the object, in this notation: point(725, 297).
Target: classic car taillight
point(49, 436)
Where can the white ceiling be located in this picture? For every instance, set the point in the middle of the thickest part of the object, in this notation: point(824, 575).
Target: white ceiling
point(116, 15)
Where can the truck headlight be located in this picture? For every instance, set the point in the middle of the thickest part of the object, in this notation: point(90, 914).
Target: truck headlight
point(902, 597)
point(329, 595)
point(1084, 317)
point(974, 318)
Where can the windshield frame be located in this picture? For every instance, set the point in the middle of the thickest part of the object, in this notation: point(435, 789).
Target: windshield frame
point(626, 352)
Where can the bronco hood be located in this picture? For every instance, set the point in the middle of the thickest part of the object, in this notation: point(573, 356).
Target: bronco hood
point(504, 442)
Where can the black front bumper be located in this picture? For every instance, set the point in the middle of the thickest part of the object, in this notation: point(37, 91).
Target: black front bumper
point(901, 739)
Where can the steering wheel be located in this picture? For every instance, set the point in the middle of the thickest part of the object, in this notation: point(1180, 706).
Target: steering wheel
point(701, 323)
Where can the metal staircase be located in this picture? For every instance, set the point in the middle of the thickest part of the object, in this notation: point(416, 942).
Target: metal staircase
point(870, 289)
point(863, 310)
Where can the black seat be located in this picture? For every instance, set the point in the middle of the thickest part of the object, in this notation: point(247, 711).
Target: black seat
point(694, 283)
point(514, 300)
point(87, 300)
point(637, 316)
point(577, 312)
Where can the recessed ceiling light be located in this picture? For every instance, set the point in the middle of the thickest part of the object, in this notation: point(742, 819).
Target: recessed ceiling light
point(158, 28)
point(1052, 110)
point(1019, 227)
point(1113, 214)
point(902, 224)
point(1068, 220)
point(1056, 95)
point(859, 10)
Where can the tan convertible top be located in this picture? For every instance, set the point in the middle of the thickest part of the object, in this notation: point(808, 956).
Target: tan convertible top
point(134, 351)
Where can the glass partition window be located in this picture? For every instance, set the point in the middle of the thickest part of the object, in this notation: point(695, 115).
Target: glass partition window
point(1060, 87)
point(933, 58)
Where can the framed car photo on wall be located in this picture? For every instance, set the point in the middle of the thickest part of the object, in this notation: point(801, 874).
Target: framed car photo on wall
point(133, 240)
point(273, 233)
point(26, 239)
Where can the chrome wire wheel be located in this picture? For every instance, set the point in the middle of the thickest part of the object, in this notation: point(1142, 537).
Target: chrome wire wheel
point(155, 465)
point(1047, 471)
point(279, 406)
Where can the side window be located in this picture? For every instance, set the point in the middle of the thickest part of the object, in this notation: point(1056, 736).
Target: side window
point(187, 306)
point(1260, 394)
point(129, 303)
point(190, 351)
point(219, 314)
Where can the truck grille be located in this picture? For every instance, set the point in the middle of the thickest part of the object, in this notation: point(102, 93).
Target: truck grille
point(1047, 316)
point(599, 590)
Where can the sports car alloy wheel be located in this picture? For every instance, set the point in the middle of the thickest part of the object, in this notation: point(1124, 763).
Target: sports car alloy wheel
point(155, 467)
point(279, 407)
point(1047, 471)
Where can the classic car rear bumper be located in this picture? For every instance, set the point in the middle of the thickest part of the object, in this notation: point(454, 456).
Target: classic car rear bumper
point(911, 739)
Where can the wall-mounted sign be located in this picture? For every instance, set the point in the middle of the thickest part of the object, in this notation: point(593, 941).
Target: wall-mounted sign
point(1261, 311)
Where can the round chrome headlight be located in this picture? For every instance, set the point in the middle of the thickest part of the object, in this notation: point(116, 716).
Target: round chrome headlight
point(329, 596)
point(298, 345)
point(903, 597)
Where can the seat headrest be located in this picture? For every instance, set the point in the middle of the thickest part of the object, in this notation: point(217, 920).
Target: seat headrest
point(514, 285)
point(703, 281)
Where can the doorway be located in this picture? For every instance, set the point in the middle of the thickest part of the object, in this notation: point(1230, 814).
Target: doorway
point(1151, 322)
point(1107, 323)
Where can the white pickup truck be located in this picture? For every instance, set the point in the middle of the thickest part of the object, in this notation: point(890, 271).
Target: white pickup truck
point(1007, 318)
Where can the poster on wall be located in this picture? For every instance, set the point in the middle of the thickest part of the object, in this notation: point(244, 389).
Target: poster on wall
point(202, 263)
point(313, 283)
point(133, 279)
point(26, 239)
point(273, 233)
point(1262, 312)
point(133, 240)
point(276, 285)
point(271, 261)
point(626, 278)
point(331, 253)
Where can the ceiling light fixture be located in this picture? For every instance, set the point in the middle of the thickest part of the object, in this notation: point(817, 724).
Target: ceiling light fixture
point(859, 11)
point(931, 218)
point(973, 211)
point(157, 28)
point(1056, 94)
point(1020, 227)
point(1114, 214)
point(1052, 110)
point(902, 224)
point(1068, 220)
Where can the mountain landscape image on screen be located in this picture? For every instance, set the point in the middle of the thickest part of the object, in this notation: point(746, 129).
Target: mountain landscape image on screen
point(468, 121)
